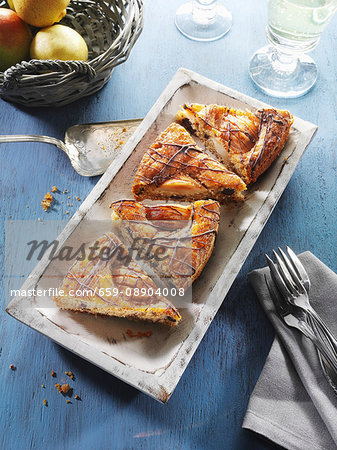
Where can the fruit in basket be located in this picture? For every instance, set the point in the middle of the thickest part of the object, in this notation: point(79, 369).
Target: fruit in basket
point(41, 13)
point(11, 4)
point(59, 42)
point(15, 39)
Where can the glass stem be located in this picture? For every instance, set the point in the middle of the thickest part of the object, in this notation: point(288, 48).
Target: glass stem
point(285, 62)
point(205, 2)
point(204, 11)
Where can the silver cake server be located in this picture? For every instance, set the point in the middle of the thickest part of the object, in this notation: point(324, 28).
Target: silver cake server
point(90, 147)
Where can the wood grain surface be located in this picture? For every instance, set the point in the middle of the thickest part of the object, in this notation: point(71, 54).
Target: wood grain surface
point(208, 406)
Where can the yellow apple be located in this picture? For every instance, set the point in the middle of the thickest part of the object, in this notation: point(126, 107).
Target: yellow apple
point(59, 42)
point(41, 13)
point(11, 4)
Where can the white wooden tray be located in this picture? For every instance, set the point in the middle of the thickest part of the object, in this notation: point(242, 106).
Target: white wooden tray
point(154, 365)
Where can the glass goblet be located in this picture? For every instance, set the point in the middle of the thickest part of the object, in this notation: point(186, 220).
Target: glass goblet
point(283, 69)
point(203, 20)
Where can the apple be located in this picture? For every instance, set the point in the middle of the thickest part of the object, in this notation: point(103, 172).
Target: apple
point(15, 39)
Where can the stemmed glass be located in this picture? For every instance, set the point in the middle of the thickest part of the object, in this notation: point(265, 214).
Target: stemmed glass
point(203, 20)
point(282, 69)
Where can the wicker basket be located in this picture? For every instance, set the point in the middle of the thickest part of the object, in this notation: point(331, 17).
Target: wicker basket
point(110, 29)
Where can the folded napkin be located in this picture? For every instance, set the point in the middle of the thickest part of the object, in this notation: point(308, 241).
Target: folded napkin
point(292, 403)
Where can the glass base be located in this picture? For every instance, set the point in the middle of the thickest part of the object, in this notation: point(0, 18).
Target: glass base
point(203, 22)
point(282, 75)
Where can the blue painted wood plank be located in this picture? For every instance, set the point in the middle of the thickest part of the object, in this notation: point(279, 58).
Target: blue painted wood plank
point(208, 406)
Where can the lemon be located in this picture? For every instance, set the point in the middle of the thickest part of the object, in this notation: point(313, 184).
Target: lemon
point(41, 13)
point(59, 42)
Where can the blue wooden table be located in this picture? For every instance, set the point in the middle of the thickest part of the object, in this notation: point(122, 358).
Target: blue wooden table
point(208, 406)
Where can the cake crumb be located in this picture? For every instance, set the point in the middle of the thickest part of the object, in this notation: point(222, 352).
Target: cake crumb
point(63, 388)
point(45, 402)
point(12, 367)
point(77, 397)
point(78, 198)
point(68, 401)
point(124, 130)
point(53, 374)
point(70, 374)
point(67, 212)
point(54, 189)
point(43, 386)
point(9, 217)
point(47, 201)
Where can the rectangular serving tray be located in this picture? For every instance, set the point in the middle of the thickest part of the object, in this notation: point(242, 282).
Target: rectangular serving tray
point(154, 365)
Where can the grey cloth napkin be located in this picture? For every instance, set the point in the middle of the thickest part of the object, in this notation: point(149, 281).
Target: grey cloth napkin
point(292, 403)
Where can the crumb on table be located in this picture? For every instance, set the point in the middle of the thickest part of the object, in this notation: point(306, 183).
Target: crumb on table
point(77, 397)
point(12, 367)
point(45, 402)
point(70, 374)
point(63, 388)
point(53, 374)
point(54, 189)
point(47, 201)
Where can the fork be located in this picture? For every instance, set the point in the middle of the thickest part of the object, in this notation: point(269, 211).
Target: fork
point(328, 371)
point(293, 281)
point(296, 317)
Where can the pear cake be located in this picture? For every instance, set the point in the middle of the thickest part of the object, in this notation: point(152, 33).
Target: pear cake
point(186, 234)
point(175, 168)
point(246, 142)
point(111, 283)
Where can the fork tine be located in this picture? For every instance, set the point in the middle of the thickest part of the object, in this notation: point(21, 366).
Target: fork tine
point(277, 278)
point(298, 266)
point(277, 299)
point(292, 272)
point(284, 273)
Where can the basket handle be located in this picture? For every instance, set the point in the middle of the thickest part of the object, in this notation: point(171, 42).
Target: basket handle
point(12, 74)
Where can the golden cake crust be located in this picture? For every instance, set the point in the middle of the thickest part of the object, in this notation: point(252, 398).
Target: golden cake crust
point(246, 142)
point(174, 167)
point(192, 246)
point(89, 286)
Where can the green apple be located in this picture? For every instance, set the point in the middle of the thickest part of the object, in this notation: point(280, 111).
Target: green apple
point(15, 39)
